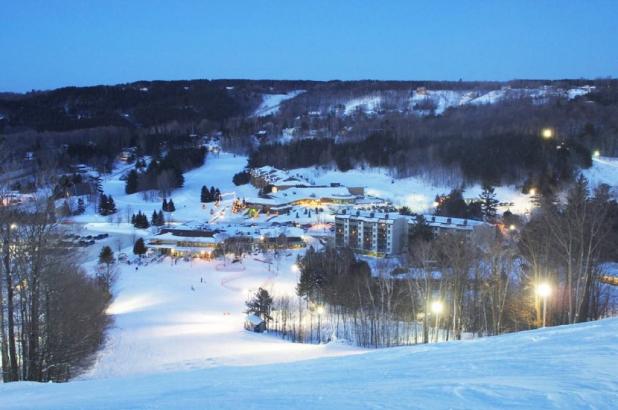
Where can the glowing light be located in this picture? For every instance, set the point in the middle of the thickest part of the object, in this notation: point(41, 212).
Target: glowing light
point(133, 303)
point(596, 153)
point(547, 133)
point(320, 310)
point(532, 191)
point(437, 307)
point(543, 289)
point(13, 226)
point(512, 227)
point(435, 204)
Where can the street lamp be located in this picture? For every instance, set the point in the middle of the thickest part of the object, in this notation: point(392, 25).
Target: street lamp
point(436, 309)
point(543, 290)
point(547, 133)
point(596, 153)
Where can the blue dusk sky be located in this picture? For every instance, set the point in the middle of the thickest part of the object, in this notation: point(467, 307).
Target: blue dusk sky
point(49, 44)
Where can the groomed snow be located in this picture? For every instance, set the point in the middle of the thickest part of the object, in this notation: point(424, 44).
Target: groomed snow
point(189, 315)
point(568, 367)
point(271, 102)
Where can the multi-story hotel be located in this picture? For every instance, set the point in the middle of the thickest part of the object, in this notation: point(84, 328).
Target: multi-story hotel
point(371, 233)
point(386, 234)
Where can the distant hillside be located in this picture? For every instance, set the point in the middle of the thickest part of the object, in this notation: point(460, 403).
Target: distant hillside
point(476, 131)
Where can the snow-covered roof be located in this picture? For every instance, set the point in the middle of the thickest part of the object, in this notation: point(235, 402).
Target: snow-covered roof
point(254, 320)
point(432, 220)
point(292, 195)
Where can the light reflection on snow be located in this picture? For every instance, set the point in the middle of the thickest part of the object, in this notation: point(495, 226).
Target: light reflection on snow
point(131, 304)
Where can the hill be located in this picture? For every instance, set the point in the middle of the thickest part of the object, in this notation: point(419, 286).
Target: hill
point(565, 367)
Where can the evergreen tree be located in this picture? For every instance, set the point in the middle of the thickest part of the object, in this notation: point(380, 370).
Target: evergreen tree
point(241, 178)
point(165, 205)
point(141, 221)
point(154, 219)
point(488, 202)
point(139, 248)
point(204, 195)
point(452, 205)
point(421, 230)
point(260, 304)
point(212, 193)
point(111, 207)
point(106, 205)
point(131, 186)
point(103, 204)
point(81, 207)
point(170, 206)
point(106, 256)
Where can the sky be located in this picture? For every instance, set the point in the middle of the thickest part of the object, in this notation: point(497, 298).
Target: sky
point(49, 44)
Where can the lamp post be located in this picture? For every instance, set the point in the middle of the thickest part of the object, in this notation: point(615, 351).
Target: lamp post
point(543, 290)
point(436, 309)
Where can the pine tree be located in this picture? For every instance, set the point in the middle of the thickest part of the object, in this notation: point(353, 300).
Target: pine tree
point(81, 207)
point(131, 186)
point(260, 304)
point(204, 195)
point(111, 206)
point(139, 248)
point(103, 205)
point(106, 256)
point(165, 206)
point(488, 202)
point(170, 206)
point(154, 219)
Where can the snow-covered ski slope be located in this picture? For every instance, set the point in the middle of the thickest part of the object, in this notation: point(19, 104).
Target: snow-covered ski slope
point(568, 367)
point(189, 315)
point(271, 102)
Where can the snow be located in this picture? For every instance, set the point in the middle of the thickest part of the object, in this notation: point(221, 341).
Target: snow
point(604, 170)
point(415, 192)
point(218, 171)
point(271, 102)
point(368, 104)
point(566, 367)
point(444, 99)
point(189, 315)
point(178, 339)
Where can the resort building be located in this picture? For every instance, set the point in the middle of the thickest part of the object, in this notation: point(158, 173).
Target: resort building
point(386, 234)
point(371, 233)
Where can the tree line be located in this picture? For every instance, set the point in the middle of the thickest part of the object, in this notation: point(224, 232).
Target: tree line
point(453, 285)
point(52, 313)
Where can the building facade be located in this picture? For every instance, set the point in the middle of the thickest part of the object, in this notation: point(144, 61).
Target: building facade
point(371, 233)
